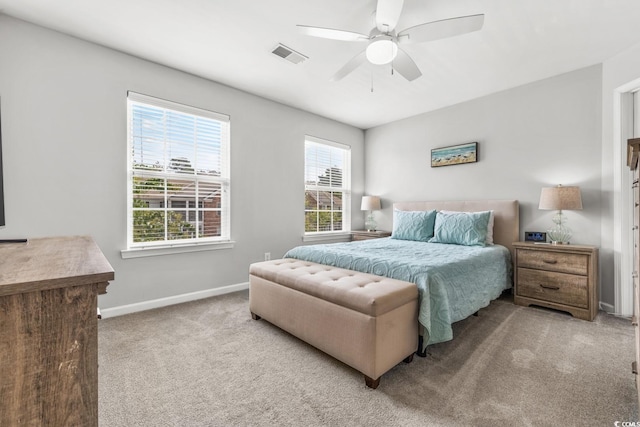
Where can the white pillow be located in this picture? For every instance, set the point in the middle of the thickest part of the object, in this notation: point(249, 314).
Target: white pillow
point(489, 239)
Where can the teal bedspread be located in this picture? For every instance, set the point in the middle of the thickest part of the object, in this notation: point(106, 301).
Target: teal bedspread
point(453, 281)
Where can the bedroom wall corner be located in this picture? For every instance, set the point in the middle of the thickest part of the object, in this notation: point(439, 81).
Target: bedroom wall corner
point(65, 154)
point(541, 134)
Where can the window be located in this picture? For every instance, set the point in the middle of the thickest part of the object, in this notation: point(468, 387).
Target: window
point(178, 174)
point(327, 186)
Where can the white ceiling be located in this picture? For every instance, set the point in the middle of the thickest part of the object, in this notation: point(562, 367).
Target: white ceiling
point(230, 41)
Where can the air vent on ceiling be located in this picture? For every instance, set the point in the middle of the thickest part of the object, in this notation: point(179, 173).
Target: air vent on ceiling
point(289, 54)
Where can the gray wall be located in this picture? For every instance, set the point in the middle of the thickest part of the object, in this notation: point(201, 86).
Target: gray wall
point(63, 117)
point(64, 146)
point(538, 135)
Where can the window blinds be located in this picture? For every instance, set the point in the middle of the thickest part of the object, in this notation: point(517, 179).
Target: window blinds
point(179, 172)
point(327, 186)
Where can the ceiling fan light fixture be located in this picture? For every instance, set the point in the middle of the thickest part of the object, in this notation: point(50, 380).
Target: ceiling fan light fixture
point(382, 50)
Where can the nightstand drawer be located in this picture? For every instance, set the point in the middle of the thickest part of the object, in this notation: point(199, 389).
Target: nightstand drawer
point(554, 261)
point(559, 288)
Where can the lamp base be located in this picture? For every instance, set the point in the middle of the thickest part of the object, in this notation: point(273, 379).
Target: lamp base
point(560, 234)
point(370, 224)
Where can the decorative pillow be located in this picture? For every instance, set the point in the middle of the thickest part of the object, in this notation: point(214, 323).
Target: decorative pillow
point(461, 228)
point(413, 225)
point(489, 240)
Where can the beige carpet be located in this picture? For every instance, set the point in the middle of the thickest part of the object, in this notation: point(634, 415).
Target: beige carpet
point(206, 363)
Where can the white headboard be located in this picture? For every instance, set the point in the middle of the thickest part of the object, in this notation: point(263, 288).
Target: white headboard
point(506, 227)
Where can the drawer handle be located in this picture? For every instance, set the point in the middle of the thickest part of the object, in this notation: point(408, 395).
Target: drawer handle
point(553, 288)
point(550, 261)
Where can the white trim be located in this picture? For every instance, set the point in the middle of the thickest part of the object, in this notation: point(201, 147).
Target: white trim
point(607, 308)
point(624, 297)
point(163, 103)
point(325, 237)
point(139, 252)
point(622, 200)
point(176, 299)
point(322, 141)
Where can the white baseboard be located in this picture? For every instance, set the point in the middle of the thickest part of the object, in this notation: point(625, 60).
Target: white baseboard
point(607, 307)
point(176, 299)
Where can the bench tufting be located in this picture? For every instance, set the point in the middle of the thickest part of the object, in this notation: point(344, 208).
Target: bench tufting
point(366, 321)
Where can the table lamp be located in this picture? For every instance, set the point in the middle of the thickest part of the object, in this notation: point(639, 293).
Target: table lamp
point(560, 198)
point(370, 203)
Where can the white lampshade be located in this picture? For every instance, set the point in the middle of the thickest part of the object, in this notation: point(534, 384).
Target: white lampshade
point(370, 203)
point(382, 50)
point(560, 198)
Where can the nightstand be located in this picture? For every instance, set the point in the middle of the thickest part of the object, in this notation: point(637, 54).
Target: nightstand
point(366, 235)
point(562, 277)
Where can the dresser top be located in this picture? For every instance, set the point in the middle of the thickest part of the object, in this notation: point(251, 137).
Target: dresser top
point(552, 247)
point(51, 262)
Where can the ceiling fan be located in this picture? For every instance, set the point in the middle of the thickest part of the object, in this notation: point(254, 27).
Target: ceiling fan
point(384, 42)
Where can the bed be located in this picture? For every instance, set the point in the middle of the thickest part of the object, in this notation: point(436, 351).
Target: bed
point(454, 280)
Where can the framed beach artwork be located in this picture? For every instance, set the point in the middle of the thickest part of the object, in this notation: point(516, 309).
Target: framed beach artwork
point(454, 155)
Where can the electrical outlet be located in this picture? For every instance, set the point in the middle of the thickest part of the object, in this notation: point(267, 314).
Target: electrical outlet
point(267, 256)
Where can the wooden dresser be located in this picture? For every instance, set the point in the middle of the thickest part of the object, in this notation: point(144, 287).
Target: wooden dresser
point(48, 331)
point(633, 153)
point(562, 277)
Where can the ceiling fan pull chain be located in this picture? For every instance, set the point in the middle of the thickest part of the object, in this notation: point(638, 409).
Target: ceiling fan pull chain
point(393, 57)
point(371, 81)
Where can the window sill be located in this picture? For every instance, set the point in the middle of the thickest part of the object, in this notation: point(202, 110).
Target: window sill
point(174, 249)
point(325, 237)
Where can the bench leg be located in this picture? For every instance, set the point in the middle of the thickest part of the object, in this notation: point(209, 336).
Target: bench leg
point(409, 358)
point(419, 352)
point(255, 316)
point(371, 383)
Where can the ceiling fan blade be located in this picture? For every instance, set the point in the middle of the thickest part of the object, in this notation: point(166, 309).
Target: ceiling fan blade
point(353, 63)
point(405, 66)
point(330, 33)
point(441, 29)
point(387, 14)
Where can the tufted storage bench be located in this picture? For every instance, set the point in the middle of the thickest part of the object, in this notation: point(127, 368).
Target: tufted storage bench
point(366, 321)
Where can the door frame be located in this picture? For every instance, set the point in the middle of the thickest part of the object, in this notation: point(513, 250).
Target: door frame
point(623, 198)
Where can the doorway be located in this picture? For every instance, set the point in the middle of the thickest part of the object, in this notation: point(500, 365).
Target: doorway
point(629, 128)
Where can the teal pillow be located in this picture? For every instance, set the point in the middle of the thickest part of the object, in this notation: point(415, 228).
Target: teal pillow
point(413, 225)
point(461, 228)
